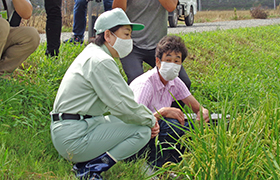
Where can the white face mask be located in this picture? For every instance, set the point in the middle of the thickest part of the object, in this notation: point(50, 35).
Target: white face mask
point(122, 46)
point(169, 71)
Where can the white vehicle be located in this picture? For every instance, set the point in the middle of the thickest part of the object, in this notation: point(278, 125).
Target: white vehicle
point(186, 9)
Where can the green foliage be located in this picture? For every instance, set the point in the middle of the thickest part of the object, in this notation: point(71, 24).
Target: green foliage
point(235, 17)
point(66, 29)
point(233, 72)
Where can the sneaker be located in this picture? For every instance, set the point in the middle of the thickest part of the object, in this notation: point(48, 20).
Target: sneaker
point(149, 171)
point(84, 173)
point(171, 175)
point(74, 39)
point(5, 80)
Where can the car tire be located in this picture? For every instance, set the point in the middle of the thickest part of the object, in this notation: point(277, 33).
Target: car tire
point(173, 20)
point(190, 18)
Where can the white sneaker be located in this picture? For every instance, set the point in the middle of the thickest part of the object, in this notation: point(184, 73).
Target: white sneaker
point(149, 171)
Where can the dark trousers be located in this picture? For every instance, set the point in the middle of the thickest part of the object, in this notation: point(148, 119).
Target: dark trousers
point(169, 129)
point(53, 24)
point(107, 4)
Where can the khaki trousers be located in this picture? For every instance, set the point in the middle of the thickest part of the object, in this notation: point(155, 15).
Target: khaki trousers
point(16, 45)
point(83, 140)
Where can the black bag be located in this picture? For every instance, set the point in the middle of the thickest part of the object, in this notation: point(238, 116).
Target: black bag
point(15, 19)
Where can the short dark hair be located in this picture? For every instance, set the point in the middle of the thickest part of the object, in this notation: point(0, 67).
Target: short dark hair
point(171, 43)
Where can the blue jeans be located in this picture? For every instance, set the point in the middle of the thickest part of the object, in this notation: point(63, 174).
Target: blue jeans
point(80, 18)
point(171, 127)
point(167, 131)
point(80, 15)
point(107, 4)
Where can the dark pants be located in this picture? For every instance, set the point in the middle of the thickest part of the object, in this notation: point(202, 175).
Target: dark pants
point(53, 25)
point(107, 4)
point(80, 16)
point(133, 66)
point(168, 131)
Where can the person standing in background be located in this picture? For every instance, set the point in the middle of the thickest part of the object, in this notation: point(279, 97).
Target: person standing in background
point(53, 26)
point(80, 19)
point(153, 14)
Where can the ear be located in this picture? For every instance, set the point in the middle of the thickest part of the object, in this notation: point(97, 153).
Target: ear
point(107, 36)
point(158, 63)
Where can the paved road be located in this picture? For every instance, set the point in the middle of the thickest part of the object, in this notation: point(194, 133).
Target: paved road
point(200, 27)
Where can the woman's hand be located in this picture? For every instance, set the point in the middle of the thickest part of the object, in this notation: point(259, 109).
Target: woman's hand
point(155, 130)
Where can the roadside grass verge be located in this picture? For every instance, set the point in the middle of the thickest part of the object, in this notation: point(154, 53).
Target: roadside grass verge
point(233, 72)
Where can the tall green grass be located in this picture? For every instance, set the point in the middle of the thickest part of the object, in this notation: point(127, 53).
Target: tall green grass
point(233, 72)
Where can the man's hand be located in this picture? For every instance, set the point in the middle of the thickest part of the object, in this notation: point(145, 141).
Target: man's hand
point(205, 114)
point(171, 112)
point(155, 130)
point(197, 108)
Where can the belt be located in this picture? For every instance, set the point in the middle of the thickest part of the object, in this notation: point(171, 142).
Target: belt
point(65, 116)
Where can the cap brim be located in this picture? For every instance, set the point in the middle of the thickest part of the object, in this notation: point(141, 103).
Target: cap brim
point(137, 27)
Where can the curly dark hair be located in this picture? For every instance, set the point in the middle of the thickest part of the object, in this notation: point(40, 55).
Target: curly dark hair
point(171, 43)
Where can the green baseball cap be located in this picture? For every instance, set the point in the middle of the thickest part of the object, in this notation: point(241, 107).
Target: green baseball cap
point(112, 18)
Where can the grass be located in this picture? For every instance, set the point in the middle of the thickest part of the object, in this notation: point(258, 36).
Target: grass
point(235, 73)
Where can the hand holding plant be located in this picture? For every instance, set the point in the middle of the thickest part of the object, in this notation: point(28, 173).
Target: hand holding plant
point(205, 114)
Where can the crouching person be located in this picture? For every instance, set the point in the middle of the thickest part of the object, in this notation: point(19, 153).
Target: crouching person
point(16, 43)
point(92, 87)
point(154, 88)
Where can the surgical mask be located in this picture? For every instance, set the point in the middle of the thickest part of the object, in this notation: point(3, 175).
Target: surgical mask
point(169, 71)
point(122, 46)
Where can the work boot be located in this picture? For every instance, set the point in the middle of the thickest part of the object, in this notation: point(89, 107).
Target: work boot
point(93, 168)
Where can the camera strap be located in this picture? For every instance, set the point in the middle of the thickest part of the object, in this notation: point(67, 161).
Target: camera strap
point(5, 5)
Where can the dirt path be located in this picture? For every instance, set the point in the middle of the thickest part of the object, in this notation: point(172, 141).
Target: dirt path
point(223, 25)
point(200, 27)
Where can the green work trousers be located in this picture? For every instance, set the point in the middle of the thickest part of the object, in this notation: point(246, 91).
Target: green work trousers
point(83, 140)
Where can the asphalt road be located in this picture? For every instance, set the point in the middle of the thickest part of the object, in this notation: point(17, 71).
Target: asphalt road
point(200, 27)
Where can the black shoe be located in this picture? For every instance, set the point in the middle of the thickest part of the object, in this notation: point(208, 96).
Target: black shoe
point(51, 53)
point(75, 40)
